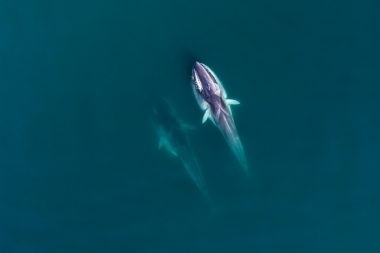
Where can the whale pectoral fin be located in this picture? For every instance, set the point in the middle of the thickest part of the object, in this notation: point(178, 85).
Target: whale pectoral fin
point(206, 115)
point(169, 148)
point(232, 102)
point(163, 142)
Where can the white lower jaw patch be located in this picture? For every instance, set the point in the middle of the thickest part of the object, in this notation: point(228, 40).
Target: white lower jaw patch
point(197, 82)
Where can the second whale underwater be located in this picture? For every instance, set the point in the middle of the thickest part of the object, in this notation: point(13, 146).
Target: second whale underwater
point(172, 135)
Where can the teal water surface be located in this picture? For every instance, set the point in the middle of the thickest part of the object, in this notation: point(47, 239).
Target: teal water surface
point(80, 169)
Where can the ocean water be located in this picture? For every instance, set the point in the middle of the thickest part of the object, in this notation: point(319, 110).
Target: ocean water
point(80, 169)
